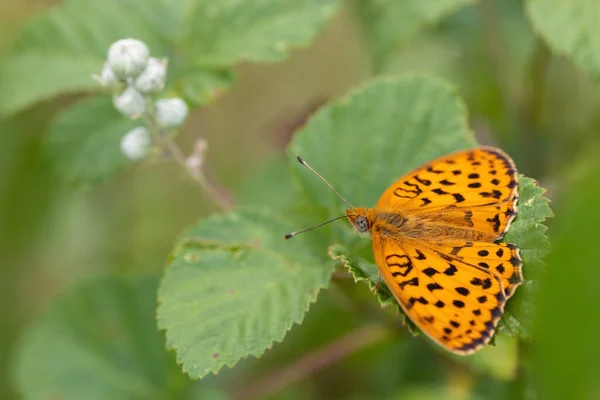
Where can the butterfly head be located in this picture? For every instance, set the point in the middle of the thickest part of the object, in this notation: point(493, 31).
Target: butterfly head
point(360, 218)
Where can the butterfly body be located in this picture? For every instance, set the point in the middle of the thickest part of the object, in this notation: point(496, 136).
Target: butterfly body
point(435, 238)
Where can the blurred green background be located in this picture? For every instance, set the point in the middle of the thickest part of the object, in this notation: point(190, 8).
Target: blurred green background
point(539, 107)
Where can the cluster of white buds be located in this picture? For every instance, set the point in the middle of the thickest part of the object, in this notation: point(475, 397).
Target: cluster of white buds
point(133, 77)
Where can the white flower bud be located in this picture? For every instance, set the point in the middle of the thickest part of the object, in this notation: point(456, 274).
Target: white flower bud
point(128, 57)
point(130, 103)
point(136, 143)
point(152, 80)
point(108, 78)
point(170, 113)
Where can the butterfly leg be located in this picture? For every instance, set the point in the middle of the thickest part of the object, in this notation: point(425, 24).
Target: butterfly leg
point(376, 287)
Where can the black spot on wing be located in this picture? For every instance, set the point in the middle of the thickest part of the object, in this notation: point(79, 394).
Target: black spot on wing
point(425, 182)
point(458, 197)
point(495, 222)
point(458, 303)
point(446, 182)
point(451, 270)
point(413, 282)
point(425, 201)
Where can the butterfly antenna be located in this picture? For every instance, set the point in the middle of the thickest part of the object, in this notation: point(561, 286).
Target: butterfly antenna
point(291, 235)
point(301, 160)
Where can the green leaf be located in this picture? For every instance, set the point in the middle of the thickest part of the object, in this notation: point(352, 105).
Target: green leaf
point(60, 48)
point(529, 233)
point(570, 28)
point(32, 77)
point(202, 86)
point(233, 287)
point(276, 189)
point(388, 24)
point(227, 32)
point(377, 134)
point(83, 144)
point(363, 271)
point(368, 139)
point(98, 340)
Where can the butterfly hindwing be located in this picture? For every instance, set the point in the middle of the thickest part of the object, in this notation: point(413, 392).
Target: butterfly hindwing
point(456, 305)
point(501, 259)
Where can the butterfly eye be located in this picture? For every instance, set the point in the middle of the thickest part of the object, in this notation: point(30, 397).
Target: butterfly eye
point(361, 224)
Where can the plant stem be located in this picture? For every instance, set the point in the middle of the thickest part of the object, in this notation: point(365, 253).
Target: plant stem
point(167, 144)
point(223, 201)
point(313, 362)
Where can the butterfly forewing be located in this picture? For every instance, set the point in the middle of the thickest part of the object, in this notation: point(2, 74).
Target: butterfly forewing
point(476, 189)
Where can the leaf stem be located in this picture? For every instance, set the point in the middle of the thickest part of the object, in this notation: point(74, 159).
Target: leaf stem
point(168, 145)
point(223, 201)
point(313, 362)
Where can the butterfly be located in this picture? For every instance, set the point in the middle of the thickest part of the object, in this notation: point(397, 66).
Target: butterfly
point(436, 233)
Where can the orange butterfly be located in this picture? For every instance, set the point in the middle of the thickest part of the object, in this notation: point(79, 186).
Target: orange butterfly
point(435, 234)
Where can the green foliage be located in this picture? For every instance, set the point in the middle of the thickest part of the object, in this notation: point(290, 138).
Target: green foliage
point(83, 142)
point(411, 117)
point(61, 48)
point(233, 287)
point(390, 24)
point(98, 341)
point(366, 140)
point(570, 28)
point(566, 363)
point(529, 233)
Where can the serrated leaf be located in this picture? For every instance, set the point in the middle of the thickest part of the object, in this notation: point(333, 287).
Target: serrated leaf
point(233, 287)
point(364, 271)
point(570, 28)
point(98, 340)
point(388, 24)
point(62, 46)
point(365, 141)
point(408, 121)
point(529, 233)
point(83, 143)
